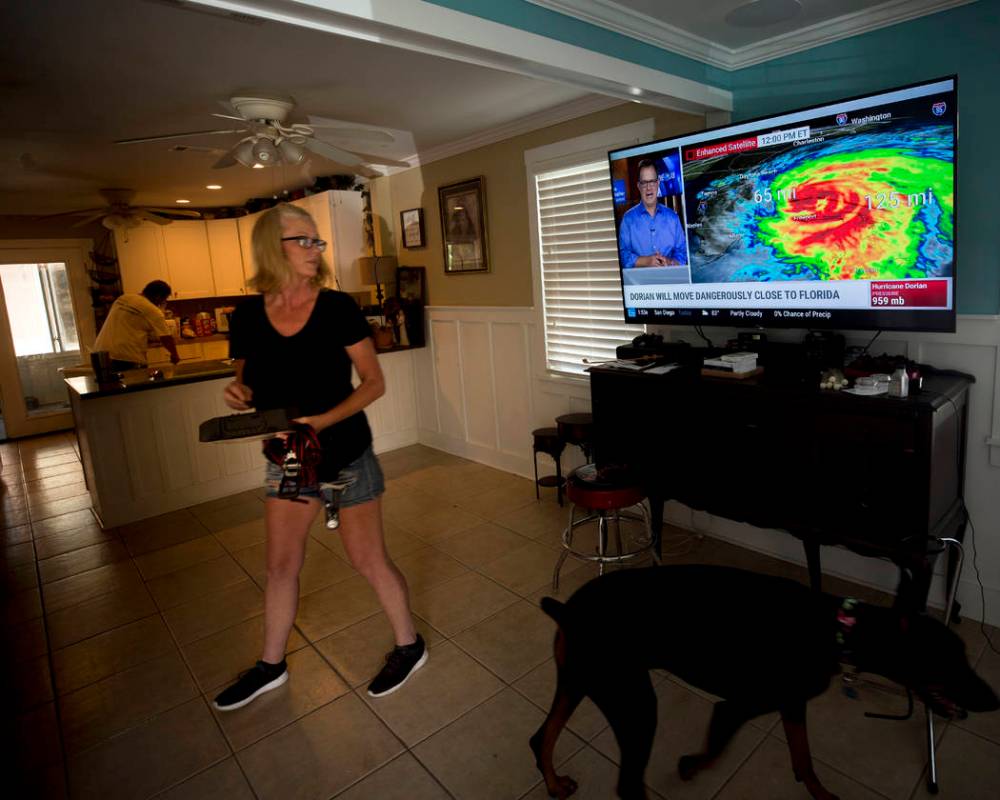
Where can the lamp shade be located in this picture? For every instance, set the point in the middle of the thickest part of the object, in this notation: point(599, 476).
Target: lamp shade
point(243, 152)
point(377, 269)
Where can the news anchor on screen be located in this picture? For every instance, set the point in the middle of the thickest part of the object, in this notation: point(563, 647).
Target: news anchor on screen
point(650, 234)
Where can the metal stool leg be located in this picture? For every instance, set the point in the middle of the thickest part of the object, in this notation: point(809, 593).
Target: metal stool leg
point(567, 539)
point(534, 454)
point(602, 540)
point(949, 605)
point(618, 532)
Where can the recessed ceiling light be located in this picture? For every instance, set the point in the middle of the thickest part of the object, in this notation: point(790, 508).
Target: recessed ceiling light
point(258, 166)
point(213, 186)
point(635, 90)
point(182, 201)
point(761, 13)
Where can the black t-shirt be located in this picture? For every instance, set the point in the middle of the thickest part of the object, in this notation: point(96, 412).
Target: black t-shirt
point(308, 373)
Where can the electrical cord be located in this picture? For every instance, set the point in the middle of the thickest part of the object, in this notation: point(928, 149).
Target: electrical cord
point(701, 333)
point(982, 589)
point(871, 342)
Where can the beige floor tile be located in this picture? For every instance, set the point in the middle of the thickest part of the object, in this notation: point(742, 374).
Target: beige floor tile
point(224, 781)
point(320, 754)
point(439, 522)
point(528, 569)
point(185, 585)
point(426, 568)
point(358, 652)
point(447, 686)
point(484, 754)
point(596, 777)
point(21, 606)
point(968, 767)
point(17, 555)
point(27, 683)
point(681, 728)
point(211, 506)
point(56, 508)
point(231, 516)
point(76, 623)
point(543, 518)
point(34, 473)
point(48, 457)
point(38, 494)
point(401, 505)
point(165, 530)
point(123, 700)
point(34, 739)
point(481, 544)
point(311, 683)
point(215, 612)
point(401, 779)
point(512, 642)
point(569, 582)
point(988, 668)
point(767, 775)
point(115, 577)
point(218, 659)
point(12, 503)
point(116, 650)
point(398, 542)
point(462, 602)
point(539, 686)
point(178, 556)
point(17, 579)
point(13, 517)
point(336, 607)
point(151, 757)
point(501, 501)
point(53, 482)
point(242, 535)
point(66, 541)
point(74, 520)
point(82, 560)
point(321, 567)
point(26, 640)
point(20, 534)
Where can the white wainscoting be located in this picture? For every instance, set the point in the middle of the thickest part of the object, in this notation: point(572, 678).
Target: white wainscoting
point(480, 391)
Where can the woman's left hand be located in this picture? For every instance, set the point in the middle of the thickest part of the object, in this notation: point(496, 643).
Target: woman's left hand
point(316, 423)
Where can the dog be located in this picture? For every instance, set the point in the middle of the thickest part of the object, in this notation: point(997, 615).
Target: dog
point(759, 642)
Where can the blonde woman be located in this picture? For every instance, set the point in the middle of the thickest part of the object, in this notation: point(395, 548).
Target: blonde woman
point(294, 346)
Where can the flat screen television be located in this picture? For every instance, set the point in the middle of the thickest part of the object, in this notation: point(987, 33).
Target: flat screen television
point(834, 216)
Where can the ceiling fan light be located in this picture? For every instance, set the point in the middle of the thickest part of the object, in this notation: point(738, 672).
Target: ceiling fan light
point(243, 152)
point(291, 153)
point(113, 221)
point(264, 152)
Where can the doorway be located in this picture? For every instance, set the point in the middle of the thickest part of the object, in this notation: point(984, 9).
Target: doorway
point(41, 330)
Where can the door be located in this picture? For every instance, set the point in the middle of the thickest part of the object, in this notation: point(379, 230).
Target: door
point(140, 256)
point(40, 294)
point(188, 262)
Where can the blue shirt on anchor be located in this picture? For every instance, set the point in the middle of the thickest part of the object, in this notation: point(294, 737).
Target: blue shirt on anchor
point(643, 235)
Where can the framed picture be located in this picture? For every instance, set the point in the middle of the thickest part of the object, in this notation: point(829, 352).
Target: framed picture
point(411, 223)
point(463, 227)
point(410, 284)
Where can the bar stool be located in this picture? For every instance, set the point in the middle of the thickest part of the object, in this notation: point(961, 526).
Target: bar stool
point(610, 493)
point(546, 440)
point(577, 429)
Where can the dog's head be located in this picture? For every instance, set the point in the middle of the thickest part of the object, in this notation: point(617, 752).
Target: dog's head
point(925, 656)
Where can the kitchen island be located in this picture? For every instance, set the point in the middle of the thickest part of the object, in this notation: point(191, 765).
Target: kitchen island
point(139, 438)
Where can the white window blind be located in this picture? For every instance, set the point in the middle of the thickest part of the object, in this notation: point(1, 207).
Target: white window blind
point(581, 285)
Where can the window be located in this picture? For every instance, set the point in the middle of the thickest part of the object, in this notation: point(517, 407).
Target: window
point(576, 258)
point(39, 308)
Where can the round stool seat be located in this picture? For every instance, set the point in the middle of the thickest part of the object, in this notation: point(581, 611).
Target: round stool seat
point(607, 488)
point(547, 440)
point(575, 428)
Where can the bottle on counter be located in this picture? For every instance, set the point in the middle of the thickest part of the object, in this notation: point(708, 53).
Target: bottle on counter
point(899, 383)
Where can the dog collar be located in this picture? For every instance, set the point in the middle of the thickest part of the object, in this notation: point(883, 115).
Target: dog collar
point(846, 620)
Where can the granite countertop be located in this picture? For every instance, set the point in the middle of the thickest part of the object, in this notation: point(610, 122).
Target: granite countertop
point(137, 380)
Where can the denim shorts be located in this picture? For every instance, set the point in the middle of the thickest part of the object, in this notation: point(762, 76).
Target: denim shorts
point(363, 476)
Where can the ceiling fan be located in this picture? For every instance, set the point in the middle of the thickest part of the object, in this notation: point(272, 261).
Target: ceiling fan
point(119, 213)
point(268, 140)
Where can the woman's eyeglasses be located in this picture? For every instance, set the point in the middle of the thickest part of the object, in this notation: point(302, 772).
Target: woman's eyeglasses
point(306, 242)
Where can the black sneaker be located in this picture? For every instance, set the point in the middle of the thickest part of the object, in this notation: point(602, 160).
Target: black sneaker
point(400, 664)
point(263, 677)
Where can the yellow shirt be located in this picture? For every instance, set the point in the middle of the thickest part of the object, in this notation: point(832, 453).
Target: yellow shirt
point(131, 321)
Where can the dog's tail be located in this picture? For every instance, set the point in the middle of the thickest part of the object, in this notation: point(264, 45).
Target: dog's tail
point(553, 608)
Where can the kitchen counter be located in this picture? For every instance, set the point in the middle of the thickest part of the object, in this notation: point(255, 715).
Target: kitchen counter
point(138, 380)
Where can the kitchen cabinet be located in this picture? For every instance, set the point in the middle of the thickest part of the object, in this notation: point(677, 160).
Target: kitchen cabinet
point(226, 257)
point(188, 262)
point(141, 256)
point(244, 226)
point(339, 219)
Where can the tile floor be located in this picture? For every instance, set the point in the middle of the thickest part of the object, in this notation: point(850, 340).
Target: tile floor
point(114, 641)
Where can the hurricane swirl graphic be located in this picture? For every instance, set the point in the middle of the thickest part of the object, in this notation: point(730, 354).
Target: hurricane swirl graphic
point(867, 207)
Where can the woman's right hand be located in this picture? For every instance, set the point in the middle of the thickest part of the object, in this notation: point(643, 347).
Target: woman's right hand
point(238, 396)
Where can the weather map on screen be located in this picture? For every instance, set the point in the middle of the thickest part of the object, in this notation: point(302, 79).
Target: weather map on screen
point(837, 216)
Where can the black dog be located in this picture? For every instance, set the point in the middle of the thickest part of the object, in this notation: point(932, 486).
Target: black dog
point(759, 642)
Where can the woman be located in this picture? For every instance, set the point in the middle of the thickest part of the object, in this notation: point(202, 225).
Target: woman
point(294, 346)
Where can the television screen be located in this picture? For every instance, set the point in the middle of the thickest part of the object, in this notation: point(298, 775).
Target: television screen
point(836, 216)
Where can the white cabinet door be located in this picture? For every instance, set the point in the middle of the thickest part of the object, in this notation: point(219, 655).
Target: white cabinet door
point(188, 260)
point(338, 216)
point(227, 260)
point(245, 227)
point(140, 256)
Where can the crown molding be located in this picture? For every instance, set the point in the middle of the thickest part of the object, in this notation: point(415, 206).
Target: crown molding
point(542, 119)
point(612, 16)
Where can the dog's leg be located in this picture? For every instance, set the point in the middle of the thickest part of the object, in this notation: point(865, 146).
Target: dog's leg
point(627, 699)
point(794, 722)
point(727, 718)
point(543, 743)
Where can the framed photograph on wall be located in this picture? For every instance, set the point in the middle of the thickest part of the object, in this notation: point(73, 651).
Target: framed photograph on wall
point(410, 284)
point(411, 223)
point(463, 227)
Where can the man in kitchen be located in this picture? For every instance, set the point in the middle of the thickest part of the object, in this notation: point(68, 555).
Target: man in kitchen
point(133, 320)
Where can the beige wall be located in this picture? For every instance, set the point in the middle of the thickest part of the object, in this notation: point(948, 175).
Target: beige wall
point(502, 164)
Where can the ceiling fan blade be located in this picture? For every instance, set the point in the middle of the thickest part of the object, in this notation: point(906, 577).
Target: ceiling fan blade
point(382, 161)
point(142, 139)
point(98, 212)
point(229, 116)
point(89, 218)
point(227, 160)
point(332, 127)
point(180, 212)
point(345, 157)
point(148, 215)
